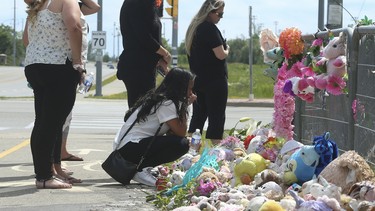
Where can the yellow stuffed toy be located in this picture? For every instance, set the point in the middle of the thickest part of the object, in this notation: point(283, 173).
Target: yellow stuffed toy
point(247, 167)
point(271, 205)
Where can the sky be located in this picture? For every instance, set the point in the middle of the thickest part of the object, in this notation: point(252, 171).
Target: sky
point(273, 14)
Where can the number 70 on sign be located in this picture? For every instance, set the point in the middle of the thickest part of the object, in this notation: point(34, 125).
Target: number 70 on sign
point(98, 39)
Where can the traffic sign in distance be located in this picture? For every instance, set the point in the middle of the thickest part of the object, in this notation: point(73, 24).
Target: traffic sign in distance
point(98, 39)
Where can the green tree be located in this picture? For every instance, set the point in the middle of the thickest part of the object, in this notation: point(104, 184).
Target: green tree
point(6, 37)
point(106, 57)
point(166, 45)
point(7, 42)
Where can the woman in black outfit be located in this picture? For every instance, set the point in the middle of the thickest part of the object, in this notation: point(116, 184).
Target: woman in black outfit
point(143, 50)
point(207, 50)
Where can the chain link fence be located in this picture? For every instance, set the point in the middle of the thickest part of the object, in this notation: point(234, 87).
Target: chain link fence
point(349, 118)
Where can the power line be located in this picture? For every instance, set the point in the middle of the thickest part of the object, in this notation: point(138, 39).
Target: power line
point(14, 36)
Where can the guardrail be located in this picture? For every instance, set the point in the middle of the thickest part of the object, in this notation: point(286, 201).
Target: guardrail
point(351, 129)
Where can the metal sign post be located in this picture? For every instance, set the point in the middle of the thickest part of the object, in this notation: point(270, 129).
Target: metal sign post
point(251, 95)
point(100, 44)
point(174, 41)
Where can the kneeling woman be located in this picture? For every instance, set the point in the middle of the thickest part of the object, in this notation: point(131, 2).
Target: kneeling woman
point(166, 104)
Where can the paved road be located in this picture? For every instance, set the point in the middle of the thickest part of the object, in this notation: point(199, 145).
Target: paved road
point(13, 82)
point(95, 123)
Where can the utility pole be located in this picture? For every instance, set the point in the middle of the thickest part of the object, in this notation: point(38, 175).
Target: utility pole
point(174, 41)
point(99, 53)
point(114, 40)
point(118, 43)
point(14, 36)
point(173, 12)
point(251, 95)
point(276, 23)
point(321, 15)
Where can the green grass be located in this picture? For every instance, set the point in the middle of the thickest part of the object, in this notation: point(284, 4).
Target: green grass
point(238, 80)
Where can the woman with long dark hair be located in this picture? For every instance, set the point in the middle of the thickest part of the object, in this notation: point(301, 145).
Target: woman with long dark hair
point(166, 104)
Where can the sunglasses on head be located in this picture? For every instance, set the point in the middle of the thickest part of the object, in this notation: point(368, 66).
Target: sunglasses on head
point(219, 14)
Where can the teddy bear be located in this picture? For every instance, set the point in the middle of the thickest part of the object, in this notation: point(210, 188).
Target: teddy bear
point(271, 205)
point(256, 203)
point(265, 176)
point(199, 203)
point(207, 176)
point(246, 168)
point(333, 66)
point(364, 190)
point(272, 191)
point(319, 187)
point(177, 177)
point(348, 169)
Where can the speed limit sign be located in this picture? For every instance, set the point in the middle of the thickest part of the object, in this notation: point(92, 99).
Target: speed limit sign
point(98, 40)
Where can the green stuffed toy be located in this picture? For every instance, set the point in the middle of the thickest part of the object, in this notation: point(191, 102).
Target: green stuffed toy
point(247, 167)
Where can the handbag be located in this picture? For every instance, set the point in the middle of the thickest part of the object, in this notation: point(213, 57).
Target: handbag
point(120, 169)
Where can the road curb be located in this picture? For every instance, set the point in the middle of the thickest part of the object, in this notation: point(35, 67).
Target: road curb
point(251, 103)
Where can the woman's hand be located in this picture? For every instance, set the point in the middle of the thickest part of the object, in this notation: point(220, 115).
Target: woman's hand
point(167, 57)
point(164, 65)
point(192, 98)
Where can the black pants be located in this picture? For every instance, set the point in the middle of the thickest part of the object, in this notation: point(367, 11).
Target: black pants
point(138, 84)
point(164, 149)
point(211, 103)
point(54, 89)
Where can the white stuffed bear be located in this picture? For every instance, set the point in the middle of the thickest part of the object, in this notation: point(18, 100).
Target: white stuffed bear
point(177, 177)
point(334, 65)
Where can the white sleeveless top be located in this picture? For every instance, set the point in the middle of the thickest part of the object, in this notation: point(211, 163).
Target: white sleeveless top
point(84, 39)
point(48, 39)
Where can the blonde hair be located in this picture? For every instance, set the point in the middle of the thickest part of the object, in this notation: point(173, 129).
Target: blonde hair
point(207, 7)
point(34, 8)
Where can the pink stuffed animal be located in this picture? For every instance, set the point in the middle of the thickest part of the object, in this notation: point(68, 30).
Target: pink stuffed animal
point(300, 87)
point(334, 61)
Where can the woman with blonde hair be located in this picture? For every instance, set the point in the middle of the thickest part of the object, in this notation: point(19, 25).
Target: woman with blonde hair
point(207, 50)
point(53, 68)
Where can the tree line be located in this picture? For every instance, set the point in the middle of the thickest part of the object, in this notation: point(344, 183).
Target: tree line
point(239, 49)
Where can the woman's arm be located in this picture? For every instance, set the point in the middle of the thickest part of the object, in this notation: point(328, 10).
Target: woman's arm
point(71, 16)
point(177, 126)
point(89, 7)
point(220, 52)
point(25, 37)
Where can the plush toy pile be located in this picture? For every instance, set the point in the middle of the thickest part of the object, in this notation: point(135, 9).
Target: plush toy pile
point(263, 168)
point(258, 171)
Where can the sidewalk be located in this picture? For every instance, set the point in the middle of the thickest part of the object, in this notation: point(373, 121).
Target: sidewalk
point(118, 86)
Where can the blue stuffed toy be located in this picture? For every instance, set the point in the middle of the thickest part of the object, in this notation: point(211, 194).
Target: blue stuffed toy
point(301, 165)
point(327, 149)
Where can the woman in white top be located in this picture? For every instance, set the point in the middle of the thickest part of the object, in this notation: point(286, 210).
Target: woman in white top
point(166, 104)
point(53, 67)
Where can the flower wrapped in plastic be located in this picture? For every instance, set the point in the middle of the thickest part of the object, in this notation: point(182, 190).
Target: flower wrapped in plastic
point(291, 42)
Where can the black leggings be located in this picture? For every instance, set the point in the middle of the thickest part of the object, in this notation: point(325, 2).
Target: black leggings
point(54, 89)
point(211, 103)
point(164, 149)
point(137, 85)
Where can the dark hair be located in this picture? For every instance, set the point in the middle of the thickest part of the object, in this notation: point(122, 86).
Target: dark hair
point(174, 87)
